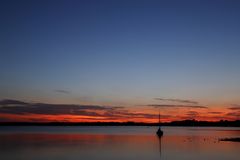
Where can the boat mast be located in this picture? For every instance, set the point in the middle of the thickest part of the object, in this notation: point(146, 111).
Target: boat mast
point(159, 119)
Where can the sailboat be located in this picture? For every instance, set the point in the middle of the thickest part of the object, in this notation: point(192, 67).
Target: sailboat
point(159, 131)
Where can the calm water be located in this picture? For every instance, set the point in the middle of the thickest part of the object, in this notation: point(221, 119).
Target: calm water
point(117, 143)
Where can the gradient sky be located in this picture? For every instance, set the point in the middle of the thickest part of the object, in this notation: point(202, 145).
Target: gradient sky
point(139, 55)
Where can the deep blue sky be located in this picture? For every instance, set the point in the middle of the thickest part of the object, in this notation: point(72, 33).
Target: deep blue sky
point(120, 51)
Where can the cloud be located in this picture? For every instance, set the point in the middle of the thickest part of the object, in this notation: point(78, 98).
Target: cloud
point(23, 108)
point(177, 100)
point(234, 107)
point(126, 114)
point(11, 102)
point(214, 112)
point(234, 114)
point(2, 119)
point(176, 106)
point(62, 91)
point(95, 111)
point(192, 113)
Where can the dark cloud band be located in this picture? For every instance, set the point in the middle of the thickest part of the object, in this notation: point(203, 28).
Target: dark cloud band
point(62, 91)
point(176, 106)
point(95, 111)
point(177, 100)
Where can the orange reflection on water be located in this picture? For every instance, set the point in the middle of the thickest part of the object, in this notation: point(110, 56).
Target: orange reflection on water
point(105, 146)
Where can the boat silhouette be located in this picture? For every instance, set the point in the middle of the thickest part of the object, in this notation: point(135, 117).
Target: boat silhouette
point(159, 131)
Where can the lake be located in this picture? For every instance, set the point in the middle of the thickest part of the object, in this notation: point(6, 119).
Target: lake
point(117, 143)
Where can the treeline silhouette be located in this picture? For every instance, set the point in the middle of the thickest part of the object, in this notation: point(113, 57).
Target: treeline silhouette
point(221, 123)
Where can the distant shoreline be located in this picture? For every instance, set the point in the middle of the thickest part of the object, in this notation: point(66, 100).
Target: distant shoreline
point(191, 123)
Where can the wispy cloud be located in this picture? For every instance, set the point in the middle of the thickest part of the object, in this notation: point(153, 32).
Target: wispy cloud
point(192, 113)
point(11, 102)
point(177, 100)
point(215, 112)
point(20, 108)
point(62, 91)
point(234, 114)
point(234, 107)
point(4, 119)
point(91, 111)
point(127, 114)
point(176, 106)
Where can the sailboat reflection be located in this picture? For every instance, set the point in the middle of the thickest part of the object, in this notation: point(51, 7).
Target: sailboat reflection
point(160, 145)
point(159, 134)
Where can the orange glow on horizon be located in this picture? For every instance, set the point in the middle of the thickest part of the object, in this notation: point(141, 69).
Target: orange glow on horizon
point(147, 116)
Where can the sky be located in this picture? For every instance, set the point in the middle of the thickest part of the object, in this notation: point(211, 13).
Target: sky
point(119, 60)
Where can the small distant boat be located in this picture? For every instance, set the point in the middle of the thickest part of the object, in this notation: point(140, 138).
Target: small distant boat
point(159, 131)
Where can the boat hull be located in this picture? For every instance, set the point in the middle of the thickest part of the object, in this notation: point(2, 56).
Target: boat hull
point(159, 132)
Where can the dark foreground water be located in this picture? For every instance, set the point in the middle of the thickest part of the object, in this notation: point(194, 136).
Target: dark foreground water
point(117, 143)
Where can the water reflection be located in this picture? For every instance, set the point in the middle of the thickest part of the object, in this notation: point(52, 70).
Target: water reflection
point(160, 145)
point(71, 146)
